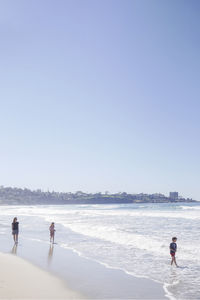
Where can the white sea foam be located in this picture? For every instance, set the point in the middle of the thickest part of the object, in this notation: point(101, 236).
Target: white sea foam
point(190, 207)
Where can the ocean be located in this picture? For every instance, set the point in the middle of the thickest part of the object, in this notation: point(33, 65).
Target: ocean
point(134, 238)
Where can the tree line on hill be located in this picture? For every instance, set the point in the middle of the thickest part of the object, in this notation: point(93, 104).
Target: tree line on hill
point(18, 196)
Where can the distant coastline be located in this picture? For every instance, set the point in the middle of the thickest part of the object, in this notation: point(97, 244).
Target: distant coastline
point(18, 196)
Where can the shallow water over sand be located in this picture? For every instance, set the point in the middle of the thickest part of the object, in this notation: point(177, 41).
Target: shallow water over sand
point(133, 237)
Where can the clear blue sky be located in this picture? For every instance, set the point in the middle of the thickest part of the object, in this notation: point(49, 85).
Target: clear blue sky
point(100, 95)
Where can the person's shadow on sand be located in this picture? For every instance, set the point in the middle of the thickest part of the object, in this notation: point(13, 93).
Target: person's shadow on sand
point(14, 249)
point(50, 254)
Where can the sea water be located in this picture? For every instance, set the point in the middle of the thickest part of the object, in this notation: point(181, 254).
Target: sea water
point(134, 238)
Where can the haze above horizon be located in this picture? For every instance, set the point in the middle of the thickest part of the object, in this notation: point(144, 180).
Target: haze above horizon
point(100, 95)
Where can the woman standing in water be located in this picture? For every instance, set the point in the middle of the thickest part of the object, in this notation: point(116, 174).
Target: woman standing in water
point(15, 230)
point(52, 232)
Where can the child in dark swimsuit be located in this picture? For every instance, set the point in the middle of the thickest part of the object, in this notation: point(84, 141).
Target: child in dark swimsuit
point(173, 249)
point(15, 230)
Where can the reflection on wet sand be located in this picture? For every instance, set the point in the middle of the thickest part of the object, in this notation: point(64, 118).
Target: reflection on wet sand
point(50, 255)
point(14, 249)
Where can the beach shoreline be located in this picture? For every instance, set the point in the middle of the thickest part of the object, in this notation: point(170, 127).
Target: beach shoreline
point(75, 277)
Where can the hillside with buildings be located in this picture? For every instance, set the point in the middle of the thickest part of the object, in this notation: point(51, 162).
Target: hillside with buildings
point(18, 196)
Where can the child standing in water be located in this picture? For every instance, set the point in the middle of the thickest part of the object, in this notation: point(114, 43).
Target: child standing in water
point(15, 230)
point(173, 249)
point(52, 232)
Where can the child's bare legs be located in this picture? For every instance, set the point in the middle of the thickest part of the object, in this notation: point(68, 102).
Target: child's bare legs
point(15, 238)
point(173, 260)
point(52, 237)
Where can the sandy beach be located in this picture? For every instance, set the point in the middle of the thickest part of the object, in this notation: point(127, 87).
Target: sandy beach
point(35, 270)
point(38, 269)
point(20, 279)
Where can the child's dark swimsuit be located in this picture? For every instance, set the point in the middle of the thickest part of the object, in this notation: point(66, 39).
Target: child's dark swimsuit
point(15, 228)
point(173, 248)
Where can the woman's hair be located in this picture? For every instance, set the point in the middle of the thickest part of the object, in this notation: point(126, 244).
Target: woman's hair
point(15, 219)
point(174, 238)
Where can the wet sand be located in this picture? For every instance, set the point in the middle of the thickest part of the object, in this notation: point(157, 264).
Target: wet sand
point(72, 276)
point(20, 279)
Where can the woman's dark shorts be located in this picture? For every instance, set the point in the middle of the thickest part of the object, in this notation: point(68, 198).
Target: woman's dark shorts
point(15, 231)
